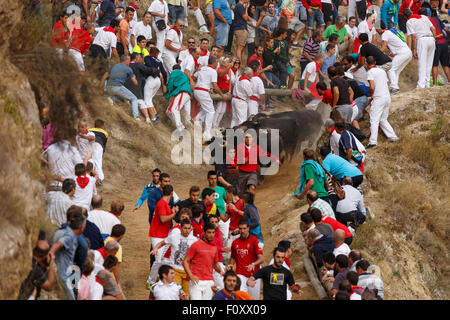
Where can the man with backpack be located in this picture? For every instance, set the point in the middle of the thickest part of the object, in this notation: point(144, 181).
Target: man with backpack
point(350, 148)
point(395, 40)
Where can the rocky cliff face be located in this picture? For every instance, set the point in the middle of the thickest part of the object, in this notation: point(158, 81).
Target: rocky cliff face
point(21, 192)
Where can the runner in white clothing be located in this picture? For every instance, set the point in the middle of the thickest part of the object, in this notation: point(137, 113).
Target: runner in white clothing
point(173, 45)
point(159, 11)
point(242, 92)
point(206, 78)
point(84, 187)
point(258, 96)
point(379, 110)
point(402, 54)
point(421, 34)
point(104, 220)
point(85, 139)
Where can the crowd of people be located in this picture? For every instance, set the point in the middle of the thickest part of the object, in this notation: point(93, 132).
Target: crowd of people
point(209, 246)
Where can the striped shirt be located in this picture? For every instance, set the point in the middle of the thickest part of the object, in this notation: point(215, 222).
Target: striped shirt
point(311, 47)
point(324, 207)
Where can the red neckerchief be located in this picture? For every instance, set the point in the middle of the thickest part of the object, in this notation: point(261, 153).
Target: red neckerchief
point(134, 61)
point(203, 53)
point(211, 67)
point(234, 70)
point(176, 29)
point(288, 262)
point(317, 66)
point(416, 16)
point(102, 251)
point(332, 130)
point(372, 67)
point(135, 7)
point(244, 78)
point(255, 74)
point(195, 62)
point(109, 29)
point(153, 55)
point(114, 214)
point(86, 132)
point(83, 181)
point(99, 281)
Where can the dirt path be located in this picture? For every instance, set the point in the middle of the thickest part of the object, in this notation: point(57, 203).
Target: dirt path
point(135, 265)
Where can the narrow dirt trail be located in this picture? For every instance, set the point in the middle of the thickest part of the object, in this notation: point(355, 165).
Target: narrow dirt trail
point(136, 244)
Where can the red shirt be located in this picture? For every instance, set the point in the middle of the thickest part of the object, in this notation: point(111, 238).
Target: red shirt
point(410, 4)
point(218, 241)
point(234, 216)
point(203, 257)
point(224, 81)
point(198, 227)
point(255, 57)
point(158, 229)
point(244, 252)
point(313, 3)
point(337, 225)
point(248, 158)
point(59, 36)
point(81, 40)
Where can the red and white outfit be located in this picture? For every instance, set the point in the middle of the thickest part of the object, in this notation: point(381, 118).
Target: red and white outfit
point(169, 57)
point(182, 101)
point(313, 69)
point(205, 77)
point(258, 90)
point(161, 7)
point(204, 57)
point(80, 44)
point(105, 38)
point(158, 232)
point(379, 111)
point(203, 256)
point(60, 36)
point(242, 92)
point(224, 83)
point(421, 27)
point(245, 252)
point(152, 85)
point(403, 56)
point(84, 190)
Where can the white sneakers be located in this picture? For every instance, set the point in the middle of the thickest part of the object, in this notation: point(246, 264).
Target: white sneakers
point(204, 29)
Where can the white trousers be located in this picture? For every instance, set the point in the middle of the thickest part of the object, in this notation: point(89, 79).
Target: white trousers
point(158, 258)
point(221, 108)
point(425, 53)
point(202, 290)
point(197, 13)
point(252, 107)
point(239, 110)
point(152, 85)
point(97, 159)
point(206, 113)
point(78, 57)
point(379, 112)
point(218, 279)
point(224, 227)
point(255, 291)
point(179, 102)
point(160, 36)
point(399, 62)
point(351, 10)
point(169, 60)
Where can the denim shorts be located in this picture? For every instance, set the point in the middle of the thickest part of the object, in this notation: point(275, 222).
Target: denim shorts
point(316, 16)
point(303, 13)
point(222, 30)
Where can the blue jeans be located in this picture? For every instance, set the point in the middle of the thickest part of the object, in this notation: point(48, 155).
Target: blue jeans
point(316, 16)
point(300, 8)
point(123, 92)
point(283, 73)
point(175, 12)
point(362, 103)
point(222, 30)
point(274, 79)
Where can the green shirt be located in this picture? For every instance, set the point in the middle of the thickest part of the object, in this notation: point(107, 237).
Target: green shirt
point(284, 50)
point(332, 29)
point(318, 186)
point(220, 195)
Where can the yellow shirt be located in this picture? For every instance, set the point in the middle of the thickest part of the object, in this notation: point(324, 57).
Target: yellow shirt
point(139, 50)
point(119, 252)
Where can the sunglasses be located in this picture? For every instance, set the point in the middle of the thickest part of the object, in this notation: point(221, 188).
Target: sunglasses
point(191, 42)
point(237, 62)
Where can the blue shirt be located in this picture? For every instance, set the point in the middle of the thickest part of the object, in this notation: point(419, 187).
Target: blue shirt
point(339, 167)
point(64, 257)
point(239, 23)
point(225, 10)
point(328, 62)
point(154, 62)
point(221, 295)
point(388, 11)
point(109, 9)
point(144, 195)
point(119, 74)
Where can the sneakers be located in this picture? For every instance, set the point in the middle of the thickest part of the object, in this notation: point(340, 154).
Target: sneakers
point(394, 91)
point(155, 121)
point(393, 140)
point(137, 119)
point(148, 120)
point(369, 146)
point(204, 29)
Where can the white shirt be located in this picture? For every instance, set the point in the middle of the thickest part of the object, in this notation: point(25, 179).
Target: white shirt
point(334, 142)
point(159, 7)
point(353, 201)
point(243, 89)
point(57, 203)
point(360, 75)
point(179, 246)
point(205, 77)
point(177, 41)
point(188, 63)
point(139, 29)
point(105, 39)
point(62, 158)
point(313, 72)
point(342, 249)
point(96, 288)
point(103, 220)
point(353, 32)
point(380, 78)
point(355, 296)
point(203, 60)
point(363, 27)
point(394, 43)
point(257, 86)
point(419, 27)
point(84, 145)
point(183, 55)
point(83, 196)
point(98, 258)
point(161, 291)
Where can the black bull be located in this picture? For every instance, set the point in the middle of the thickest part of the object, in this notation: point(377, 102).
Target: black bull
point(295, 128)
